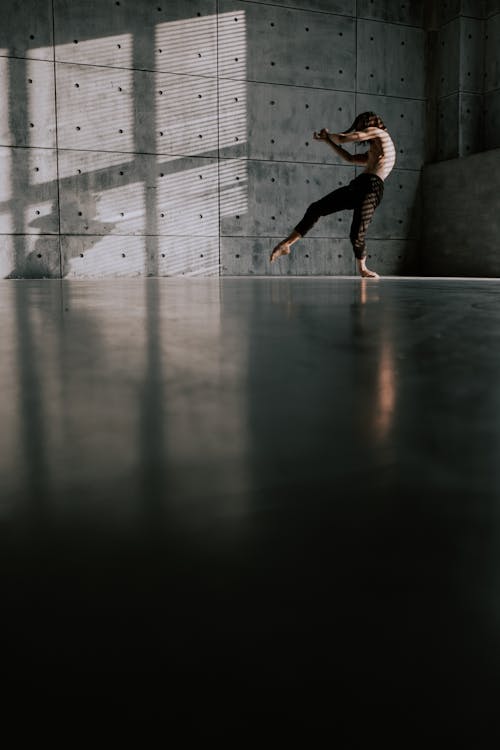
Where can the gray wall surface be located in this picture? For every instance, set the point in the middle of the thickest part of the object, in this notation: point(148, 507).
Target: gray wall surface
point(492, 76)
point(175, 136)
point(460, 196)
point(463, 77)
point(462, 216)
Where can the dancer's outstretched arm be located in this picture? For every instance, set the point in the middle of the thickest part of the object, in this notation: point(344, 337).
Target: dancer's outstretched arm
point(358, 135)
point(324, 135)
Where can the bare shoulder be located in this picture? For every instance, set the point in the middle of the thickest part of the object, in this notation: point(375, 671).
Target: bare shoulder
point(377, 133)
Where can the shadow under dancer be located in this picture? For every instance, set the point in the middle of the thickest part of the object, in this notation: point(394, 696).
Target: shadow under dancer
point(362, 195)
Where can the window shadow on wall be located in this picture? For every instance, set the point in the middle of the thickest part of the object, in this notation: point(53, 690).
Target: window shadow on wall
point(123, 178)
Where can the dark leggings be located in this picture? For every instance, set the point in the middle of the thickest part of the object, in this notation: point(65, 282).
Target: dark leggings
point(363, 195)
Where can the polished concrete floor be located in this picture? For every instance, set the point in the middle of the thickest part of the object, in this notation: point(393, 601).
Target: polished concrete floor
point(224, 500)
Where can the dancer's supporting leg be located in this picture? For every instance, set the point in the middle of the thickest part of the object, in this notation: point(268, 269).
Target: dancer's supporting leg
point(362, 216)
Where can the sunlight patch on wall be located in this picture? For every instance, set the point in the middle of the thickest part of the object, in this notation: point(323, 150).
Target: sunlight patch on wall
point(85, 163)
point(41, 53)
point(188, 46)
point(232, 44)
point(110, 255)
point(123, 208)
point(189, 256)
point(232, 94)
point(42, 165)
point(7, 251)
point(6, 223)
point(232, 113)
point(116, 50)
point(187, 201)
point(186, 114)
point(95, 108)
point(233, 183)
point(106, 177)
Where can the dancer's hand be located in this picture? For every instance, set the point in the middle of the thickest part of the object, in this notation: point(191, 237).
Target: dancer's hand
point(323, 135)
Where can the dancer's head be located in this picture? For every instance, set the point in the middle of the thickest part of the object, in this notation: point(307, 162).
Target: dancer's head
point(366, 120)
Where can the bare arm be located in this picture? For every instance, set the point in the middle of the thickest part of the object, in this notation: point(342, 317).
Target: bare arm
point(356, 136)
point(340, 151)
point(324, 135)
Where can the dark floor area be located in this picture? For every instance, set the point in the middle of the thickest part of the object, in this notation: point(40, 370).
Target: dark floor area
point(230, 500)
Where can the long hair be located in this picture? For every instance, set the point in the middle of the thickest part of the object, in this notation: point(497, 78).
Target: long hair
point(367, 120)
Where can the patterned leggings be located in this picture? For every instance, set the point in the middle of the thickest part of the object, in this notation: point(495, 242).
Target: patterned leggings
point(363, 195)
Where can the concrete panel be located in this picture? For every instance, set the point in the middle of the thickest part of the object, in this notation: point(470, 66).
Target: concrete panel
point(27, 110)
point(114, 256)
point(151, 195)
point(286, 46)
point(492, 120)
point(448, 127)
point(472, 55)
point(462, 222)
point(492, 54)
point(448, 64)
point(260, 198)
point(29, 257)
point(471, 123)
point(405, 120)
point(394, 11)
point(393, 257)
point(242, 256)
point(115, 110)
point(281, 121)
point(344, 7)
point(28, 191)
point(172, 36)
point(390, 59)
point(26, 29)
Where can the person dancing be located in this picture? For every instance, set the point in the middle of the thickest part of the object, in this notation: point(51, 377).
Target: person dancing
point(362, 195)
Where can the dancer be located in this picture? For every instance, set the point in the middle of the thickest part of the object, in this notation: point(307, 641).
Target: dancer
point(363, 194)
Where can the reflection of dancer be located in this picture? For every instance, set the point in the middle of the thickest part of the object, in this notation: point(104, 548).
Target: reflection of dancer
point(363, 194)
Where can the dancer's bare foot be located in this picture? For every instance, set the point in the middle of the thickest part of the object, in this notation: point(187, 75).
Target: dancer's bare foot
point(365, 272)
point(283, 248)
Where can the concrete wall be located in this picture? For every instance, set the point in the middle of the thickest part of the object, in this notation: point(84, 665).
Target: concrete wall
point(462, 226)
point(492, 75)
point(463, 76)
point(461, 195)
point(175, 137)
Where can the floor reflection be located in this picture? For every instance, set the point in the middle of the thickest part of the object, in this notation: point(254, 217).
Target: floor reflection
point(256, 481)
